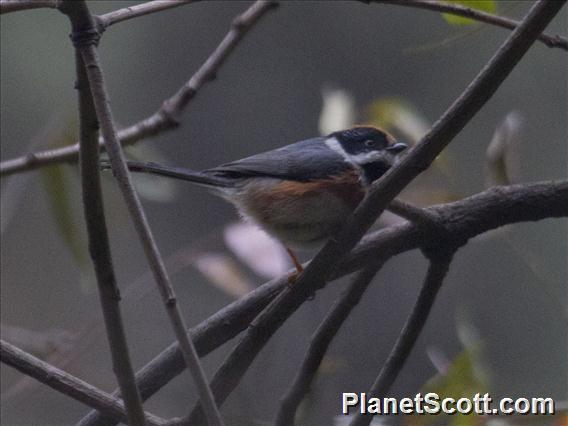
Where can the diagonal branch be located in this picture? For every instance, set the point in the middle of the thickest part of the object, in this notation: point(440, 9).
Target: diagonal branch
point(124, 14)
point(321, 340)
point(340, 311)
point(85, 37)
point(477, 15)
point(439, 265)
point(167, 116)
point(99, 247)
point(67, 384)
point(383, 192)
point(468, 218)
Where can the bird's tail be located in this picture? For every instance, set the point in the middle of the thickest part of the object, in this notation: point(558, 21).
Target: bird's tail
point(174, 172)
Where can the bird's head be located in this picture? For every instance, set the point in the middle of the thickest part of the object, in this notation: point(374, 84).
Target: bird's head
point(370, 150)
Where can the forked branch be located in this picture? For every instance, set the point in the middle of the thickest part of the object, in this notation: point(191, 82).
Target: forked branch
point(469, 217)
point(439, 265)
point(167, 117)
point(383, 192)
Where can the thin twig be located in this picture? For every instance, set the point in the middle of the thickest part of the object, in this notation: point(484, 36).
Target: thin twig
point(67, 384)
point(120, 15)
point(437, 271)
point(99, 247)
point(474, 14)
point(83, 36)
point(167, 116)
point(7, 6)
point(383, 192)
point(468, 218)
point(321, 340)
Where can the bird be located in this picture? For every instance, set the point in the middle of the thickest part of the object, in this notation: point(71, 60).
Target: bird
point(301, 193)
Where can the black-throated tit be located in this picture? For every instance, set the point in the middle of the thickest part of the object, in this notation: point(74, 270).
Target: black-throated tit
point(301, 193)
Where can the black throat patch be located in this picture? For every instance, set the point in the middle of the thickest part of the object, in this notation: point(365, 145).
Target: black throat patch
point(373, 171)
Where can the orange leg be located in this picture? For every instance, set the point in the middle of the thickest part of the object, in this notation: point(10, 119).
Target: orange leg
point(299, 268)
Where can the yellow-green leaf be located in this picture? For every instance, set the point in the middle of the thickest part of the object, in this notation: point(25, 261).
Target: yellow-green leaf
point(60, 184)
point(488, 6)
point(397, 115)
point(56, 181)
point(462, 379)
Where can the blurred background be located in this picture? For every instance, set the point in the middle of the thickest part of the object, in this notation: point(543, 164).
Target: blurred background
point(502, 312)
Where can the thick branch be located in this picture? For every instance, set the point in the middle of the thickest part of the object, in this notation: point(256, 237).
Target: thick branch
point(67, 384)
point(412, 213)
point(414, 324)
point(383, 192)
point(167, 117)
point(83, 29)
point(477, 15)
point(468, 218)
point(99, 247)
point(7, 6)
point(340, 311)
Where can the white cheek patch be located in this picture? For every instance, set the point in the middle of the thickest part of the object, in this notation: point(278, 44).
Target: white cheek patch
point(356, 161)
point(334, 144)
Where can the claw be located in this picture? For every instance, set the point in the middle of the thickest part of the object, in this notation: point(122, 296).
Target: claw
point(292, 278)
point(299, 268)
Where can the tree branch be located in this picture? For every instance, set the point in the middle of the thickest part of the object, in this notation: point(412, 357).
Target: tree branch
point(99, 247)
point(339, 312)
point(207, 336)
point(7, 6)
point(85, 37)
point(320, 342)
point(439, 265)
point(381, 194)
point(120, 15)
point(167, 116)
point(477, 15)
point(67, 384)
point(469, 217)
point(414, 214)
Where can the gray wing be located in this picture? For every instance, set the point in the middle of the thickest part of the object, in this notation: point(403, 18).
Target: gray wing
point(302, 161)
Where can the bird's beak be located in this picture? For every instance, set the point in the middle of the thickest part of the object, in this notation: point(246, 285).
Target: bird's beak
point(397, 148)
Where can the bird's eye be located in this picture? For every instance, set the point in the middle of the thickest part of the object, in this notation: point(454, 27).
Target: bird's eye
point(369, 143)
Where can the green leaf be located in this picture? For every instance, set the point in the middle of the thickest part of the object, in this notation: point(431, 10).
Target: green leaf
point(60, 184)
point(397, 115)
point(488, 6)
point(462, 377)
